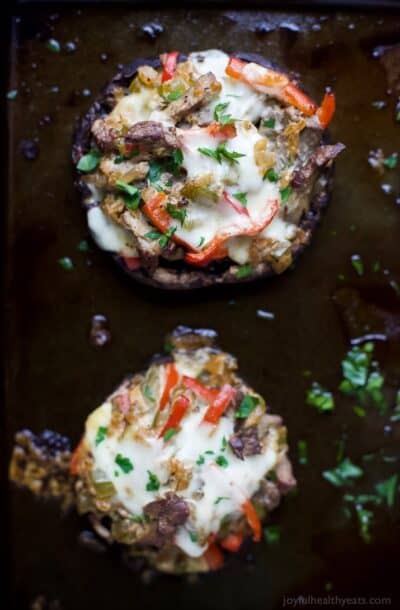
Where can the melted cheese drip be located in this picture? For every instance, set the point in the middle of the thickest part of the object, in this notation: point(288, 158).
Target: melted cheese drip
point(108, 235)
point(213, 493)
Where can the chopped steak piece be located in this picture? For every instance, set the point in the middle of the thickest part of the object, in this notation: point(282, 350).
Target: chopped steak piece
point(151, 139)
point(167, 514)
point(246, 442)
point(203, 90)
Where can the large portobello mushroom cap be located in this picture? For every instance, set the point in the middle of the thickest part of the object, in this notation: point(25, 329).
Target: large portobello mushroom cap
point(193, 177)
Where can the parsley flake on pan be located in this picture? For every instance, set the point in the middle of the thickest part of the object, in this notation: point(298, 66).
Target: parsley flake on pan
point(344, 474)
point(320, 398)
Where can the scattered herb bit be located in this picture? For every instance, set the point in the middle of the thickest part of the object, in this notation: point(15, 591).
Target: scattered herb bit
point(365, 518)
point(209, 452)
point(265, 315)
point(193, 536)
point(154, 483)
point(340, 449)
point(222, 461)
point(320, 398)
point(53, 45)
point(359, 411)
point(169, 433)
point(101, 435)
point(357, 263)
point(201, 242)
point(131, 194)
point(233, 95)
point(124, 463)
point(177, 158)
point(138, 518)
point(116, 473)
point(270, 123)
point(223, 119)
point(200, 460)
point(344, 474)
point(220, 498)
point(302, 452)
point(11, 95)
point(244, 271)
point(66, 263)
point(285, 193)
point(170, 165)
point(307, 373)
point(396, 412)
point(391, 161)
point(376, 266)
point(89, 162)
point(154, 234)
point(83, 246)
point(224, 443)
point(242, 197)
point(177, 213)
point(168, 347)
point(341, 277)
point(271, 175)
point(247, 405)
point(163, 241)
point(173, 95)
point(396, 287)
point(220, 153)
point(120, 159)
point(378, 104)
point(387, 490)
point(148, 393)
point(272, 534)
point(359, 380)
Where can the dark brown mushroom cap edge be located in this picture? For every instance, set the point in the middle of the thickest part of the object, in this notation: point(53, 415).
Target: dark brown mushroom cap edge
point(181, 276)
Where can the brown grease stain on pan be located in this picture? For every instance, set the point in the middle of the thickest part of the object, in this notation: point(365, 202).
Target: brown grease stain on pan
point(55, 376)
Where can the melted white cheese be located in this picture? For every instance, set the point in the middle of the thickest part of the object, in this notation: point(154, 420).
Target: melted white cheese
point(213, 492)
point(108, 235)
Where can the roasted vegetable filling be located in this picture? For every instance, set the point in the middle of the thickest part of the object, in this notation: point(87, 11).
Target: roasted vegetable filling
point(205, 159)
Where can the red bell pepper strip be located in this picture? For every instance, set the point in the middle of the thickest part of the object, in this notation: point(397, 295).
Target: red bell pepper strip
point(199, 388)
point(225, 132)
point(171, 379)
point(252, 519)
point(179, 409)
point(169, 62)
point(274, 83)
point(327, 109)
point(156, 210)
point(214, 557)
point(232, 542)
point(132, 262)
point(74, 463)
point(244, 226)
point(219, 405)
point(235, 204)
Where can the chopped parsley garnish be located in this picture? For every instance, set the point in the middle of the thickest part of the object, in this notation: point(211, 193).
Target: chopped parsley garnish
point(224, 443)
point(53, 45)
point(396, 413)
point(83, 246)
point(222, 461)
point(173, 95)
point(391, 161)
point(359, 411)
point(177, 213)
point(244, 271)
point(247, 405)
point(11, 95)
point(387, 489)
point(285, 193)
point(153, 483)
point(200, 460)
point(89, 162)
point(148, 393)
point(201, 242)
point(320, 398)
point(162, 239)
point(302, 452)
point(270, 123)
point(359, 380)
point(242, 197)
point(220, 498)
point(138, 518)
point(169, 433)
point(101, 435)
point(131, 194)
point(170, 165)
point(66, 263)
point(193, 536)
point(272, 534)
point(357, 263)
point(221, 153)
point(271, 175)
point(344, 474)
point(223, 119)
point(365, 518)
point(124, 463)
point(177, 160)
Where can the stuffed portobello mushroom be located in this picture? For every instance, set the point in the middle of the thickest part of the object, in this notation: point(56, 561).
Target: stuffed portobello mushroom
point(204, 169)
point(179, 465)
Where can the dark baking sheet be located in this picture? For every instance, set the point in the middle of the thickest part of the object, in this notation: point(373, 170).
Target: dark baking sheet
point(54, 377)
